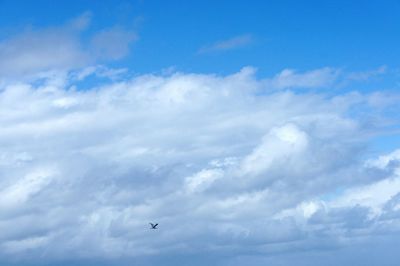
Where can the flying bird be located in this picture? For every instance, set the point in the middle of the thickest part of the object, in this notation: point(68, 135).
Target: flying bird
point(153, 226)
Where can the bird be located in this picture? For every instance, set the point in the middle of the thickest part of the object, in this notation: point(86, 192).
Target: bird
point(153, 226)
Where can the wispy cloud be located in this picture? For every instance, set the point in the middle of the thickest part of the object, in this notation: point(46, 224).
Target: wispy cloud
point(62, 48)
point(365, 75)
point(326, 77)
point(229, 44)
point(289, 78)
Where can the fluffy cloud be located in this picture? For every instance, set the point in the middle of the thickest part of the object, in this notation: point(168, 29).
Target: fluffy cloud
point(227, 166)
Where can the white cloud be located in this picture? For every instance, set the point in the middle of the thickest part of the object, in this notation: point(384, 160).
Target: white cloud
point(19, 192)
point(202, 179)
point(224, 165)
point(373, 196)
point(280, 144)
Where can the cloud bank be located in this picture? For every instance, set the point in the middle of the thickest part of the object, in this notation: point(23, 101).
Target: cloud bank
point(232, 169)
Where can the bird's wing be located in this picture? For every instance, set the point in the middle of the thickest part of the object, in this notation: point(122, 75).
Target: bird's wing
point(152, 224)
point(155, 225)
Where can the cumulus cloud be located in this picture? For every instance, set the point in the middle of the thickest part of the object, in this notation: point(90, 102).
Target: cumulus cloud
point(37, 50)
point(226, 166)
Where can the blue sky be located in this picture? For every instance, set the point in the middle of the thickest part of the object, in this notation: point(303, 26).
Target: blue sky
point(263, 133)
point(303, 35)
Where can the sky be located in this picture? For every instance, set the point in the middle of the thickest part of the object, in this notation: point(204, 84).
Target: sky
point(254, 133)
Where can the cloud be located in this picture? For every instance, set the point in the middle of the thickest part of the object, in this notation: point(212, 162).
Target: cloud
point(317, 78)
point(229, 44)
point(365, 75)
point(112, 43)
point(226, 165)
point(327, 77)
point(62, 48)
